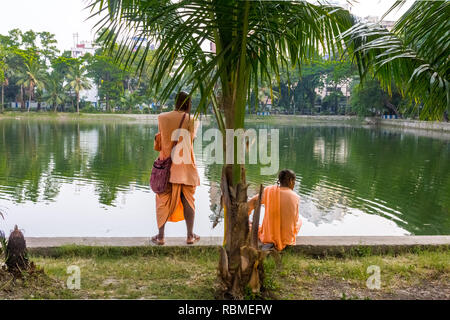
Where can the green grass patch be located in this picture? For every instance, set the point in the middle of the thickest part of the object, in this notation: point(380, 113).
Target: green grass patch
point(190, 273)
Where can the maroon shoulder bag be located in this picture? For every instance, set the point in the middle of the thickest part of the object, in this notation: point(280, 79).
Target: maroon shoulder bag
point(159, 179)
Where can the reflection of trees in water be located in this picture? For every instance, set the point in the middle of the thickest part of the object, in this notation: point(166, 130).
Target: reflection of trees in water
point(377, 171)
point(37, 156)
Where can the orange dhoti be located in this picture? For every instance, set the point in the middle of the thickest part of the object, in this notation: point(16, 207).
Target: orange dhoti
point(183, 176)
point(169, 206)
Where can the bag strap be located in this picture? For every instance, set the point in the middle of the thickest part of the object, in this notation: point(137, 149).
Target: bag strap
point(179, 127)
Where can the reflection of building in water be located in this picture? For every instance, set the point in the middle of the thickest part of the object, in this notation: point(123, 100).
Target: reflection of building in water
point(325, 204)
point(319, 148)
point(215, 197)
point(214, 202)
point(313, 212)
point(89, 142)
point(329, 153)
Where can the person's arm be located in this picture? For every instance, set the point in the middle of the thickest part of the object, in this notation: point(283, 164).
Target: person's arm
point(157, 141)
point(254, 201)
point(252, 204)
point(298, 220)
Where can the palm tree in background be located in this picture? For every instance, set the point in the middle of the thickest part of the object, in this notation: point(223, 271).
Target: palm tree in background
point(252, 39)
point(54, 92)
point(4, 71)
point(130, 100)
point(414, 55)
point(32, 76)
point(78, 81)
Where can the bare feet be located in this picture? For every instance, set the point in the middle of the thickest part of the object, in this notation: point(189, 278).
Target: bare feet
point(156, 240)
point(191, 240)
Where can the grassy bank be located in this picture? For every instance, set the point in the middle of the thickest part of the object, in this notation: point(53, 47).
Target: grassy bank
point(274, 119)
point(190, 273)
point(65, 116)
point(303, 119)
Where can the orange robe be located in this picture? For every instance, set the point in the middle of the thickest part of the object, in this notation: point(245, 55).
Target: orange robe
point(183, 176)
point(281, 221)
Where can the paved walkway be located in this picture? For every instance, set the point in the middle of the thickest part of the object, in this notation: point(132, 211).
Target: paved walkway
point(327, 241)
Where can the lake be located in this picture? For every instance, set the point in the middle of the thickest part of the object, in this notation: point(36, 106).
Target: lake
point(68, 178)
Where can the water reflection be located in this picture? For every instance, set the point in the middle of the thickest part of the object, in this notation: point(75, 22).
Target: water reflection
point(85, 179)
point(335, 152)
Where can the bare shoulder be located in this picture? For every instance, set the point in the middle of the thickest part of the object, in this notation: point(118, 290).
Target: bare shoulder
point(293, 194)
point(164, 114)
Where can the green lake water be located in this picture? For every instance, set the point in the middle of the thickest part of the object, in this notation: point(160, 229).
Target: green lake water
point(91, 179)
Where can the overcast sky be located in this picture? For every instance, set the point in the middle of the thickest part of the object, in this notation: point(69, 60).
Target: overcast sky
point(66, 17)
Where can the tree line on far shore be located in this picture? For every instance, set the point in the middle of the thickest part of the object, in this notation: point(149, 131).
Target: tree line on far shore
point(32, 69)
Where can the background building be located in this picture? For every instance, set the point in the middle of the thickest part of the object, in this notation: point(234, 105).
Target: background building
point(79, 49)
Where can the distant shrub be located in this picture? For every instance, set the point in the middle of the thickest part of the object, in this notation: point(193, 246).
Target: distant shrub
point(89, 108)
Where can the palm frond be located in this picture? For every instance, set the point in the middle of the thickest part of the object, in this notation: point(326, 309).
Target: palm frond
point(290, 31)
point(414, 55)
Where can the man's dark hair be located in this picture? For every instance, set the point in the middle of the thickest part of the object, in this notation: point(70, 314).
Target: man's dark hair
point(285, 176)
point(183, 102)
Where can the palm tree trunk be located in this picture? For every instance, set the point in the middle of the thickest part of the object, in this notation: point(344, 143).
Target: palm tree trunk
point(22, 101)
point(2, 109)
point(78, 102)
point(241, 263)
point(29, 100)
point(107, 103)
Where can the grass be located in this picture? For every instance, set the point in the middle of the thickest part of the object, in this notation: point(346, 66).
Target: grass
point(303, 119)
point(412, 275)
point(190, 273)
point(250, 119)
point(66, 116)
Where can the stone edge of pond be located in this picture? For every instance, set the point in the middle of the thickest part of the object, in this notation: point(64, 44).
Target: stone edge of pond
point(278, 119)
point(315, 245)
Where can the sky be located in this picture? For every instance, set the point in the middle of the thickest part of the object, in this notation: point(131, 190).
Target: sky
point(64, 18)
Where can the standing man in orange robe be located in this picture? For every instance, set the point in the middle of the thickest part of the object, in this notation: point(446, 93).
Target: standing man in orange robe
point(281, 221)
point(177, 202)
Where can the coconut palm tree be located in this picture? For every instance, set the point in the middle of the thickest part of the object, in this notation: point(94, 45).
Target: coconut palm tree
point(414, 55)
point(32, 76)
point(78, 81)
point(251, 38)
point(130, 100)
point(3, 75)
point(54, 92)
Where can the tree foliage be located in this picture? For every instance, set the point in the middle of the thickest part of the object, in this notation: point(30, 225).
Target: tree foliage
point(414, 55)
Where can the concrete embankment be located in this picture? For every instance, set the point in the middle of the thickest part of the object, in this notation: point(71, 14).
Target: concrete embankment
point(318, 245)
point(406, 124)
point(413, 124)
point(270, 119)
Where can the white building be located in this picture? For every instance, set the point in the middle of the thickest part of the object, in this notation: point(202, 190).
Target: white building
point(79, 49)
point(344, 87)
point(384, 23)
